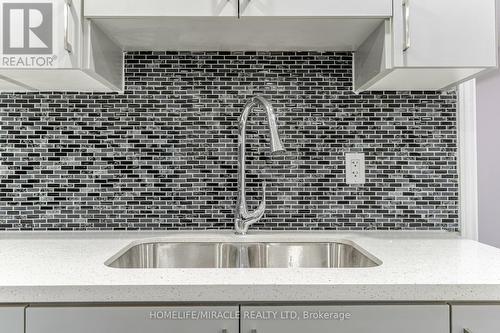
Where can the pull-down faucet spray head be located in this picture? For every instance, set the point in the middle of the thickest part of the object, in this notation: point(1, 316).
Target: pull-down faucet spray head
point(276, 145)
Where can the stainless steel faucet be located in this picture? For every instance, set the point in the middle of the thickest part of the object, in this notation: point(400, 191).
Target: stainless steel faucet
point(244, 219)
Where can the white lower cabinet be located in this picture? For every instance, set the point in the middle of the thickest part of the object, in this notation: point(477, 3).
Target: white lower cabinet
point(475, 318)
point(393, 318)
point(132, 319)
point(346, 319)
point(11, 319)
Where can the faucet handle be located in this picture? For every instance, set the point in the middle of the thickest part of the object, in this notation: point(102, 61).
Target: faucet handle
point(247, 219)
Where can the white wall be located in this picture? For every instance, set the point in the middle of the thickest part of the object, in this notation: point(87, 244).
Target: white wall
point(488, 141)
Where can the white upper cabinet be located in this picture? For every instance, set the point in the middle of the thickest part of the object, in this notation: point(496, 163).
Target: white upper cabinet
point(9, 86)
point(238, 25)
point(161, 8)
point(41, 34)
point(159, 25)
point(48, 45)
point(428, 45)
point(444, 33)
point(316, 8)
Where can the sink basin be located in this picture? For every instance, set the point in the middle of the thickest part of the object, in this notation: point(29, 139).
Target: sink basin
point(242, 255)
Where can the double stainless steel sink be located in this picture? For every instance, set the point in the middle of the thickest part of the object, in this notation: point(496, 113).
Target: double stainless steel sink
point(243, 255)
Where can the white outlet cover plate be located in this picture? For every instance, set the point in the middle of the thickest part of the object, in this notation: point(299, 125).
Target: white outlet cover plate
point(355, 168)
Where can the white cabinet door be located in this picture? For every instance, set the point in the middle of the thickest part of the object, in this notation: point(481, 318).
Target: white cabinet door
point(132, 319)
point(346, 319)
point(160, 8)
point(316, 8)
point(11, 319)
point(444, 33)
point(475, 318)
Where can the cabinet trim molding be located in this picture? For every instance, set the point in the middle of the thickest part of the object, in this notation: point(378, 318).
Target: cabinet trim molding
point(467, 160)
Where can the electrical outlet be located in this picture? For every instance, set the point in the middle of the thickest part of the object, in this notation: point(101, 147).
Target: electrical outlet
point(355, 168)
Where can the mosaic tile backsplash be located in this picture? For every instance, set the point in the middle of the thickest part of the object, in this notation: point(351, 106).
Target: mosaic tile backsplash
point(163, 155)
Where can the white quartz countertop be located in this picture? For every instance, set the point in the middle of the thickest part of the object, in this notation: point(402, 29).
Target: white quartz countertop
point(69, 267)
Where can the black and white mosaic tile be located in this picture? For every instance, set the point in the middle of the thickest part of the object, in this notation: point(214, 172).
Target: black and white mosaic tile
point(163, 155)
